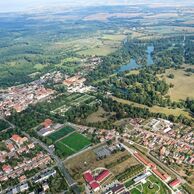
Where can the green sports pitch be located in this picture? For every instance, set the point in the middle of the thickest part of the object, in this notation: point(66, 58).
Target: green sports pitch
point(72, 143)
point(61, 133)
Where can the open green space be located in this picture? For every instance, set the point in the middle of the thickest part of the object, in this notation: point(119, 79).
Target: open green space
point(72, 100)
point(152, 186)
point(135, 191)
point(129, 183)
point(62, 150)
point(183, 83)
point(99, 116)
point(76, 141)
point(61, 133)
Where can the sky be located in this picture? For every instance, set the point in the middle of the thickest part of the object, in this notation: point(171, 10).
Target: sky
point(24, 5)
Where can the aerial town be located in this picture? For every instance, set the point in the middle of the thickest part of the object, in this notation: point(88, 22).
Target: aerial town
point(97, 97)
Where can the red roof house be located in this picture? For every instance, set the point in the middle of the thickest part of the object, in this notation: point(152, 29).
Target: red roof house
point(10, 147)
point(6, 168)
point(95, 186)
point(88, 177)
point(175, 183)
point(16, 138)
point(47, 123)
point(141, 159)
point(158, 173)
point(104, 174)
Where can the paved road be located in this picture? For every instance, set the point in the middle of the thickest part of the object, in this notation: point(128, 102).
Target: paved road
point(28, 179)
point(157, 162)
point(72, 184)
point(131, 151)
point(11, 125)
point(164, 137)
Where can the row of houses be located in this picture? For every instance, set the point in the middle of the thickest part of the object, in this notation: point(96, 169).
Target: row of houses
point(14, 172)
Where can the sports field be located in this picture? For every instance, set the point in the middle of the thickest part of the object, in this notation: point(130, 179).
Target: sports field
point(71, 144)
point(61, 133)
point(76, 141)
point(64, 150)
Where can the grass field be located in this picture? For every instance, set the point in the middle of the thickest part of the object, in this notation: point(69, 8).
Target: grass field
point(71, 144)
point(60, 133)
point(98, 116)
point(152, 186)
point(76, 141)
point(65, 151)
point(183, 84)
point(102, 50)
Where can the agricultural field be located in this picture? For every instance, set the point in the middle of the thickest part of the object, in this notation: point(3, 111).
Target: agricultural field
point(183, 84)
point(61, 133)
point(152, 186)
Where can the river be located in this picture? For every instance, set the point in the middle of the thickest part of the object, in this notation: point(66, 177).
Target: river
point(133, 65)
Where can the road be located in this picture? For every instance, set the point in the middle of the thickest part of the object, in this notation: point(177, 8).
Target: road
point(71, 183)
point(155, 160)
point(163, 136)
point(131, 151)
point(11, 125)
point(28, 179)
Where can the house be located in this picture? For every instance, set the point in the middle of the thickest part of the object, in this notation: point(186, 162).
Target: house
point(175, 183)
point(19, 140)
point(16, 138)
point(91, 181)
point(22, 178)
point(95, 186)
point(88, 177)
point(31, 146)
point(47, 123)
point(2, 158)
point(6, 168)
point(164, 177)
point(102, 176)
point(23, 187)
point(45, 187)
point(116, 189)
point(10, 147)
point(13, 191)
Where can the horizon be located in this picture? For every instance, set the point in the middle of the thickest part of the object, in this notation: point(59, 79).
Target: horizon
point(23, 6)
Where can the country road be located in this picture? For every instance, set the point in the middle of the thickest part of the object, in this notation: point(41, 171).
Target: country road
point(71, 183)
